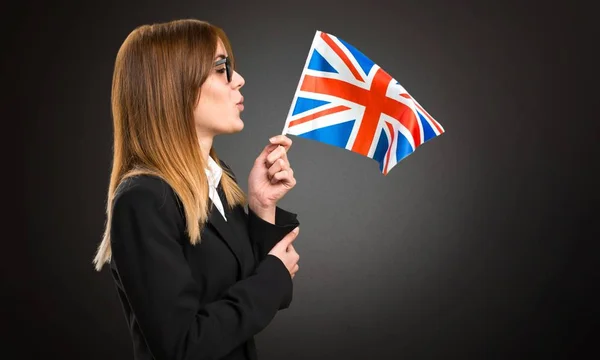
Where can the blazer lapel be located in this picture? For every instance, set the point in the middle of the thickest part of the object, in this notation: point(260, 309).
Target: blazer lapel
point(224, 229)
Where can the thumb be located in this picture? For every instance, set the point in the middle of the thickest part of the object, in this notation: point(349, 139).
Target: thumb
point(289, 238)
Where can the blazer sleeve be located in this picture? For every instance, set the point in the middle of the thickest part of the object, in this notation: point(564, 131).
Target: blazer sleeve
point(163, 295)
point(263, 234)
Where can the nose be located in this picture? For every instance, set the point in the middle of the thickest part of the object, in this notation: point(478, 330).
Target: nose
point(237, 81)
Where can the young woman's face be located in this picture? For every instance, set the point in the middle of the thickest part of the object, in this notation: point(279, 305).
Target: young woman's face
point(221, 103)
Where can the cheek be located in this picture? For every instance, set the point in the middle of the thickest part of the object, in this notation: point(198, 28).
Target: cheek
point(216, 96)
point(215, 103)
point(207, 104)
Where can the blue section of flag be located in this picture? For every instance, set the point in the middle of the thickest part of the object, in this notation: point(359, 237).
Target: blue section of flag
point(336, 135)
point(381, 149)
point(318, 63)
point(304, 104)
point(403, 147)
point(365, 63)
point(428, 132)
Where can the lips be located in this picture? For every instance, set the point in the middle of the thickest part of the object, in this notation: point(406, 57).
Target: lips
point(240, 104)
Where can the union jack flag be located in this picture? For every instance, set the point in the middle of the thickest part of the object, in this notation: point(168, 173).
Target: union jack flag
point(346, 100)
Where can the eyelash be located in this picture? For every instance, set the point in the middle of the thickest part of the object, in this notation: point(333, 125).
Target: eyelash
point(221, 71)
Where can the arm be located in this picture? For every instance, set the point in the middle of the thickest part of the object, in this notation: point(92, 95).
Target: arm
point(264, 234)
point(163, 294)
point(266, 227)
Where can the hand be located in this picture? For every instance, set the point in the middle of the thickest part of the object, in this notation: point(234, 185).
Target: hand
point(271, 176)
point(285, 251)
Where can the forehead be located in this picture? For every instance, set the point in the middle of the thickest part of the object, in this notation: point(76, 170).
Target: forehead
point(220, 48)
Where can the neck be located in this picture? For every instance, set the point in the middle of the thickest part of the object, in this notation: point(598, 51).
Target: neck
point(205, 146)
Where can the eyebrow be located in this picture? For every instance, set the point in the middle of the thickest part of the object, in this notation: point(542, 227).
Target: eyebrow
point(220, 56)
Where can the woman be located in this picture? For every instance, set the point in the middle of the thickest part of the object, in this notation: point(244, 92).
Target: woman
point(197, 275)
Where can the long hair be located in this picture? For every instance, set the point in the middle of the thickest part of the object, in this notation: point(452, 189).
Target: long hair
point(158, 72)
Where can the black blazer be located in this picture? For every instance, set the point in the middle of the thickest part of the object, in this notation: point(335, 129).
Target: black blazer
point(194, 302)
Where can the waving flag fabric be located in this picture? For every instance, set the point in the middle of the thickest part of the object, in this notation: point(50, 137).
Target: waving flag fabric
point(346, 100)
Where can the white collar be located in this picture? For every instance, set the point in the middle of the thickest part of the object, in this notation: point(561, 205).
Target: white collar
point(213, 173)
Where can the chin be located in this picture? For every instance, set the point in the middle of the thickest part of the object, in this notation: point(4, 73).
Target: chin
point(239, 126)
point(236, 126)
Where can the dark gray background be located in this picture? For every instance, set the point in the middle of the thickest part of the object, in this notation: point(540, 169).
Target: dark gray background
point(481, 244)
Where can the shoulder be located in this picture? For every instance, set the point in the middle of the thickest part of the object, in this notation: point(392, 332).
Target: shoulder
point(145, 190)
point(144, 211)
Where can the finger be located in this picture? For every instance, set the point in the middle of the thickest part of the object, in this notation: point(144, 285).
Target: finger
point(278, 166)
point(282, 140)
point(285, 159)
point(277, 153)
point(280, 176)
point(286, 177)
point(262, 157)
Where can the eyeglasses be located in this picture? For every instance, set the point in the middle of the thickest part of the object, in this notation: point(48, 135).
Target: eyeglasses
point(227, 63)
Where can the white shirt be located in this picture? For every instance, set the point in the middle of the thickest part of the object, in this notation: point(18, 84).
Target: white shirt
point(214, 173)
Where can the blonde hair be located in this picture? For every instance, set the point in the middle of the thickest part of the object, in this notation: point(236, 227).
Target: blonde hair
point(158, 72)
